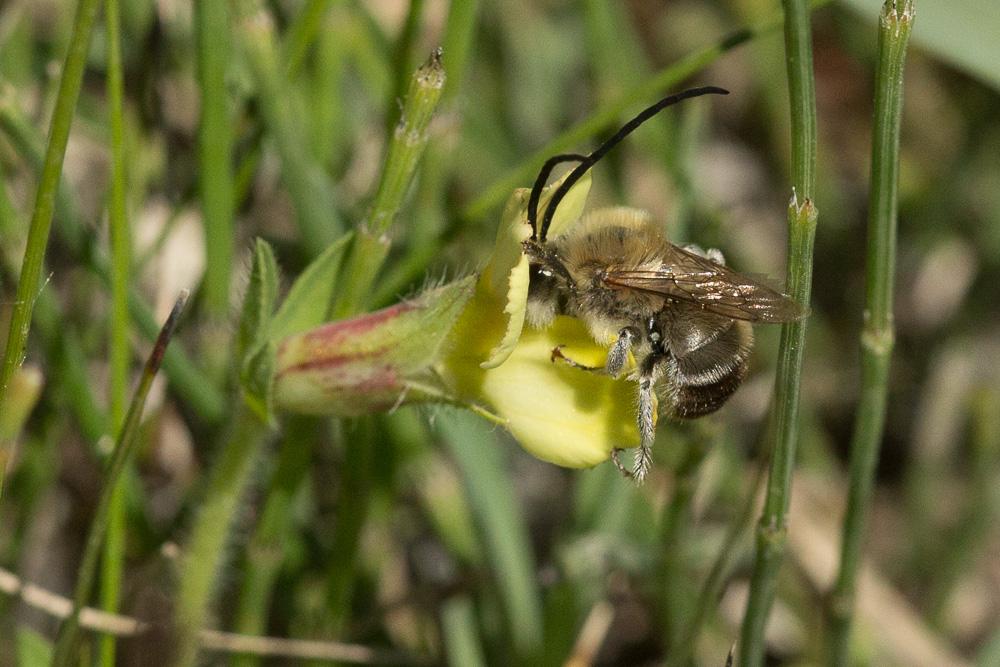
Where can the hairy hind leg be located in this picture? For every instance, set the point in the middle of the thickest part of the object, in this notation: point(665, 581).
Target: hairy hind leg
point(646, 420)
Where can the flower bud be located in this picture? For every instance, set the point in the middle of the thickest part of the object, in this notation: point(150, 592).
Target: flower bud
point(369, 363)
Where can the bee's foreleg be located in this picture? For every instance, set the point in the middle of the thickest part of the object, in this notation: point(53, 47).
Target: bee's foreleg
point(618, 354)
point(557, 355)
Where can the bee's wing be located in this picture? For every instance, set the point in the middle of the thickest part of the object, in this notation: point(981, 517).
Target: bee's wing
point(689, 277)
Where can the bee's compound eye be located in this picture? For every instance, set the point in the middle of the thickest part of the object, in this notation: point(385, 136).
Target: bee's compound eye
point(546, 272)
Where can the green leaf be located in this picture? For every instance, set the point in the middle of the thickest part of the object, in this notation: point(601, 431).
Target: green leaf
point(258, 304)
point(961, 32)
point(308, 302)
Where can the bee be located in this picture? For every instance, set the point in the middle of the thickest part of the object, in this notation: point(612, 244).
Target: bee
point(679, 312)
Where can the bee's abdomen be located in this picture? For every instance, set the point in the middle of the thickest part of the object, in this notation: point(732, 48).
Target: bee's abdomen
point(700, 381)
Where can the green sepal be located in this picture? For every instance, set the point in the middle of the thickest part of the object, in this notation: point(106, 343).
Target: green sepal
point(311, 296)
point(257, 380)
point(258, 303)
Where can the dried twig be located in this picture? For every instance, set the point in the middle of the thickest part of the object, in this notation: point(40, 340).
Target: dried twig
point(118, 625)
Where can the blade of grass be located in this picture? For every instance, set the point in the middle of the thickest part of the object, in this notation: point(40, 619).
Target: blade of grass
point(712, 588)
point(303, 32)
point(118, 340)
point(494, 505)
point(802, 216)
point(311, 193)
point(610, 113)
point(463, 646)
point(329, 126)
point(215, 140)
point(878, 333)
point(41, 220)
point(371, 245)
point(459, 30)
point(66, 362)
point(970, 535)
point(69, 635)
point(672, 579)
point(197, 390)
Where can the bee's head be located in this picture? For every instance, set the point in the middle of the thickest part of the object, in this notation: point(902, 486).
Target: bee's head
point(539, 231)
point(545, 264)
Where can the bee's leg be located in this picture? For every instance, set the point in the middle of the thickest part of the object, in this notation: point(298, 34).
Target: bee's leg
point(557, 354)
point(618, 464)
point(713, 254)
point(618, 354)
point(646, 418)
point(648, 410)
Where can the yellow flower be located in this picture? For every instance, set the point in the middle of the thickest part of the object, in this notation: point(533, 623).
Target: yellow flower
point(559, 414)
point(468, 345)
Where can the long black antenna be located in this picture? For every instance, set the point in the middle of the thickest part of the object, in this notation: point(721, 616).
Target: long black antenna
point(543, 178)
point(538, 233)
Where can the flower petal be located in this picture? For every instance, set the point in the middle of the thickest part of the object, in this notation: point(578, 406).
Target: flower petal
point(559, 414)
point(507, 274)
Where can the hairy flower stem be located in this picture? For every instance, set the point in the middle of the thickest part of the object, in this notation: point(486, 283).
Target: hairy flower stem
point(877, 336)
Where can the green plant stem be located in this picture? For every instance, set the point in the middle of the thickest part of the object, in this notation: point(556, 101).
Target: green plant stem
point(359, 439)
point(268, 547)
point(772, 528)
point(878, 333)
point(66, 648)
point(67, 365)
point(41, 220)
point(409, 139)
point(118, 343)
point(215, 139)
point(802, 216)
point(610, 113)
point(205, 551)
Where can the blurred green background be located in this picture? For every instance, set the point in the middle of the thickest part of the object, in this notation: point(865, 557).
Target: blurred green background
point(428, 532)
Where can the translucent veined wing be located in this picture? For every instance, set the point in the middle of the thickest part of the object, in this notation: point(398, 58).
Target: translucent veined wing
point(688, 277)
